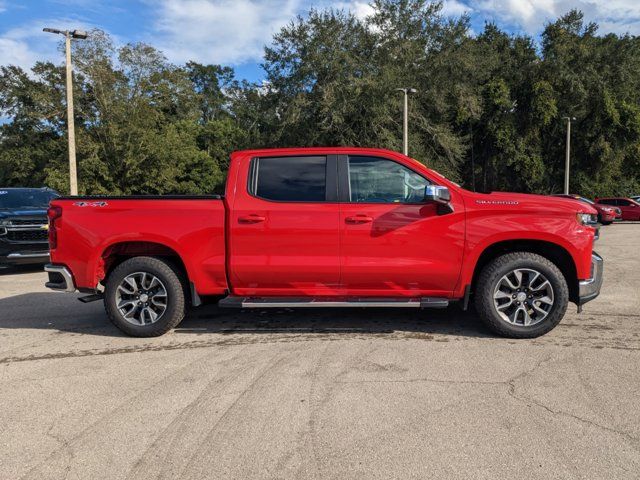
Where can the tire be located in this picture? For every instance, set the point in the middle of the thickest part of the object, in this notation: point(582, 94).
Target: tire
point(607, 223)
point(491, 283)
point(169, 293)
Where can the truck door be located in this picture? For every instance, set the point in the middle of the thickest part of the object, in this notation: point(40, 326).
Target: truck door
point(392, 243)
point(284, 227)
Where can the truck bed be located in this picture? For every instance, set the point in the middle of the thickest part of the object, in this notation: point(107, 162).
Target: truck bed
point(94, 230)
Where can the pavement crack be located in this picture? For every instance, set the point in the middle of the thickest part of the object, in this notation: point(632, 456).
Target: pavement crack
point(63, 446)
point(511, 390)
point(205, 445)
point(427, 380)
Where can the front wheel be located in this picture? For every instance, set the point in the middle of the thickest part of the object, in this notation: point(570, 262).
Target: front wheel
point(144, 297)
point(607, 223)
point(521, 295)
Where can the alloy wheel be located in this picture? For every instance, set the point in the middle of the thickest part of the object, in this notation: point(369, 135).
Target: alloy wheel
point(523, 297)
point(141, 298)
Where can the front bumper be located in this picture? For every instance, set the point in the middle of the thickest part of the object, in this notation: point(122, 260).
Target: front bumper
point(590, 289)
point(60, 278)
point(24, 258)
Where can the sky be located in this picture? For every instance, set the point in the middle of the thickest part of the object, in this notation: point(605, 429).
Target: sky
point(234, 32)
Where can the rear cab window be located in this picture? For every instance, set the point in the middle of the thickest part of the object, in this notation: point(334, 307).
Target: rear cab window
point(289, 179)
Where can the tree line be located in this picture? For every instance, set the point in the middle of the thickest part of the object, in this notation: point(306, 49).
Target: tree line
point(488, 112)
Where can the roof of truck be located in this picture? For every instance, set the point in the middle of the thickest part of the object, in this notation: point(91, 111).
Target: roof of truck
point(307, 150)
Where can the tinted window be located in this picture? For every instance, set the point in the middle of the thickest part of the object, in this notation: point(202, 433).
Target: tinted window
point(608, 202)
point(624, 203)
point(26, 198)
point(292, 179)
point(377, 180)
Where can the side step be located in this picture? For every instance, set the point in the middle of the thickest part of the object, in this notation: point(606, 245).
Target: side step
point(92, 298)
point(306, 302)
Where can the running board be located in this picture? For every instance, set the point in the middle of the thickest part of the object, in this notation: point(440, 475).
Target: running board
point(306, 302)
point(92, 298)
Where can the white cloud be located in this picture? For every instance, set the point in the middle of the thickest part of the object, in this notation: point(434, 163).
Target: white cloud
point(455, 8)
point(219, 31)
point(618, 16)
point(15, 52)
point(18, 46)
point(360, 8)
point(25, 45)
point(229, 31)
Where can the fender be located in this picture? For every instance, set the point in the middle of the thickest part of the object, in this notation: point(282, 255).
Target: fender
point(473, 253)
point(97, 255)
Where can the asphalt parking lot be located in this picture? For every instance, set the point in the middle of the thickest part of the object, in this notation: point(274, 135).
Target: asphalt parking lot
point(323, 394)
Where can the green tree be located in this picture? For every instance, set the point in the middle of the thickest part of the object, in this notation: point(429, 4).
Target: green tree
point(146, 126)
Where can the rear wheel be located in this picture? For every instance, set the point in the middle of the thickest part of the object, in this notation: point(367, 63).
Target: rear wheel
point(521, 295)
point(144, 297)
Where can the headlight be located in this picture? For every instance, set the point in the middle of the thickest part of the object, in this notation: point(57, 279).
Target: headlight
point(5, 222)
point(587, 219)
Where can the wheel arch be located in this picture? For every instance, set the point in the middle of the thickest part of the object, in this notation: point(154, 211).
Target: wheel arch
point(553, 252)
point(118, 252)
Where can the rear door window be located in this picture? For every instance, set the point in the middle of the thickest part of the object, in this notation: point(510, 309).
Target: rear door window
point(289, 179)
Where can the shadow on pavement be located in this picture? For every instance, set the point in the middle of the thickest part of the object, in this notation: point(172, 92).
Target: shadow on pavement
point(63, 312)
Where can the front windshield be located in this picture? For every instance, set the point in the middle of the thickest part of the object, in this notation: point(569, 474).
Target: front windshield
point(590, 202)
point(26, 198)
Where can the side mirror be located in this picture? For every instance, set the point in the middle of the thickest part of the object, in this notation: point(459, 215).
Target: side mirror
point(437, 194)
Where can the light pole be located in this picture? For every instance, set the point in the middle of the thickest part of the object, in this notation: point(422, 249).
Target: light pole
point(405, 124)
point(71, 133)
point(568, 151)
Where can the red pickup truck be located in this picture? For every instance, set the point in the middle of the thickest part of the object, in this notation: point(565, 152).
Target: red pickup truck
point(328, 227)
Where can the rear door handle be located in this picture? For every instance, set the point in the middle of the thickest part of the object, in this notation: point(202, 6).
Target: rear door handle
point(253, 218)
point(356, 219)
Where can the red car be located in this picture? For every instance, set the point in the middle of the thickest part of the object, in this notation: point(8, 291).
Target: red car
point(630, 208)
point(606, 213)
point(328, 227)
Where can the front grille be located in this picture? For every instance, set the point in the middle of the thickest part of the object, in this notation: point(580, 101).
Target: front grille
point(28, 221)
point(27, 235)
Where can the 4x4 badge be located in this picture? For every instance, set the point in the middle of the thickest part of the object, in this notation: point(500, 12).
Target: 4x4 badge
point(91, 204)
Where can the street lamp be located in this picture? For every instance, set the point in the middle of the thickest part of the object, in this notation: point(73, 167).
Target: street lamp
point(405, 126)
point(71, 134)
point(566, 160)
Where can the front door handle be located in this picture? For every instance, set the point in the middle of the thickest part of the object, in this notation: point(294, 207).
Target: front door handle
point(253, 218)
point(357, 219)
